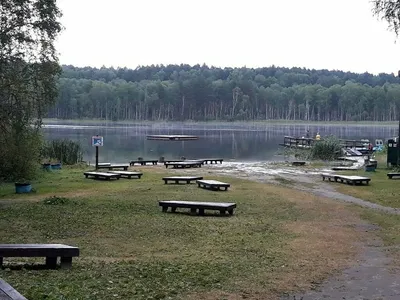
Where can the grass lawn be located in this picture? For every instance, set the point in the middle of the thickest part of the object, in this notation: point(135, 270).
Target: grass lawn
point(381, 190)
point(277, 241)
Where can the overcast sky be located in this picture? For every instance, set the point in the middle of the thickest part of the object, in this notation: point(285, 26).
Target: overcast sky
point(320, 34)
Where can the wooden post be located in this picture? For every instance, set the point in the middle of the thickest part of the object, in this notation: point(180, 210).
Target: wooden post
point(97, 157)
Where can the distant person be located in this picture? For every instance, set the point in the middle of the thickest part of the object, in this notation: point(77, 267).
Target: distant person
point(308, 137)
point(317, 137)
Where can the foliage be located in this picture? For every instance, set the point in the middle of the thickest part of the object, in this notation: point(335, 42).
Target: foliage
point(28, 68)
point(55, 200)
point(183, 92)
point(388, 10)
point(65, 151)
point(327, 149)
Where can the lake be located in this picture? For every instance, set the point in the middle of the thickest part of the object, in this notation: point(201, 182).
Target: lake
point(230, 141)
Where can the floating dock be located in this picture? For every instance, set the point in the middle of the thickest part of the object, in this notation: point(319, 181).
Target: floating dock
point(176, 137)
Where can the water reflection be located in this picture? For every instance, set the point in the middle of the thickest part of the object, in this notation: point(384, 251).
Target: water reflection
point(254, 142)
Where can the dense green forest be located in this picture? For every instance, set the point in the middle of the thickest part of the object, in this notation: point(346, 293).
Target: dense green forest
point(183, 92)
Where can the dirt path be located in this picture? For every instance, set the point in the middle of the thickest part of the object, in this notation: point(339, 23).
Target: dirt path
point(371, 277)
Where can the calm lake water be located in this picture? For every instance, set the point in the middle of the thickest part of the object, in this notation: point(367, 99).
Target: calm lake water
point(242, 142)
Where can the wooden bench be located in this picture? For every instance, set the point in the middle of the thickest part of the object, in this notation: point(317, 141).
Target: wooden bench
point(143, 162)
point(330, 177)
point(177, 179)
point(50, 251)
point(391, 175)
point(184, 164)
point(212, 160)
point(127, 174)
point(7, 292)
point(102, 175)
point(213, 185)
point(353, 179)
point(115, 166)
point(201, 206)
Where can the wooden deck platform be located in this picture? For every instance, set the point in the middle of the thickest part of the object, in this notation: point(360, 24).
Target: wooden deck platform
point(201, 206)
point(173, 137)
point(184, 164)
point(143, 162)
point(177, 179)
point(101, 175)
point(7, 292)
point(114, 166)
point(346, 179)
point(127, 174)
point(391, 175)
point(50, 251)
point(213, 185)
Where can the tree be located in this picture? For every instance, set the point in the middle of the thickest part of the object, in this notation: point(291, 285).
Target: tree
point(28, 80)
point(388, 10)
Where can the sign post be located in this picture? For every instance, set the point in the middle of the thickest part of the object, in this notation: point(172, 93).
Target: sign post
point(97, 141)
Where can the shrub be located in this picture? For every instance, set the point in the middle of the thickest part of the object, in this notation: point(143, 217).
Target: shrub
point(329, 148)
point(65, 151)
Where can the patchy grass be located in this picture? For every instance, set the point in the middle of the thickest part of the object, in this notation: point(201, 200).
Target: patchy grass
point(277, 241)
point(381, 190)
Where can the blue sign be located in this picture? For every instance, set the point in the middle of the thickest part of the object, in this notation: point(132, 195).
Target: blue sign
point(97, 141)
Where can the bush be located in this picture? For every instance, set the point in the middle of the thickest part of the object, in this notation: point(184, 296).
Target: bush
point(19, 153)
point(54, 200)
point(65, 151)
point(329, 148)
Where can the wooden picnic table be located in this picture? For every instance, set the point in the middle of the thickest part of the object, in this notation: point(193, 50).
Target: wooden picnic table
point(213, 185)
point(50, 251)
point(328, 176)
point(101, 175)
point(353, 179)
point(127, 174)
point(143, 162)
point(7, 292)
point(211, 160)
point(177, 179)
point(197, 205)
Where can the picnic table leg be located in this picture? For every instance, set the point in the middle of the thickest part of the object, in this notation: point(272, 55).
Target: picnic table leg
point(176, 181)
point(1, 262)
point(193, 211)
point(201, 211)
point(164, 208)
point(187, 181)
point(66, 262)
point(165, 181)
point(222, 212)
point(51, 262)
point(173, 209)
point(230, 212)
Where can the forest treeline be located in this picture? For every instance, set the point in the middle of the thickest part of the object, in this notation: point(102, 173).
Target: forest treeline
point(201, 93)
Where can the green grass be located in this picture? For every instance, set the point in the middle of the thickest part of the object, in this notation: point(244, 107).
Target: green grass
point(130, 250)
point(381, 190)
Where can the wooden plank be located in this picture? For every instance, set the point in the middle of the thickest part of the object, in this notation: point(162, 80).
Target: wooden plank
point(37, 250)
point(213, 184)
point(7, 292)
point(178, 179)
point(127, 174)
point(115, 166)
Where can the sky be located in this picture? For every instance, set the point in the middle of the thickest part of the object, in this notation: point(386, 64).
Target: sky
point(316, 34)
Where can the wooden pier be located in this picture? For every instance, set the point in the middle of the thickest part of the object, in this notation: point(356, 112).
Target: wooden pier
point(143, 162)
point(294, 142)
point(175, 137)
